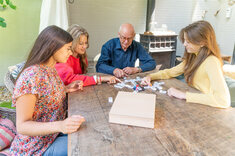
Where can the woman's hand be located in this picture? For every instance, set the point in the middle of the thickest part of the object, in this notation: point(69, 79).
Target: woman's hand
point(74, 86)
point(146, 81)
point(110, 79)
point(71, 124)
point(176, 93)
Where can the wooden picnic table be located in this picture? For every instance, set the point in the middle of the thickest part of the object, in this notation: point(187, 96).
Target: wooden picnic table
point(180, 128)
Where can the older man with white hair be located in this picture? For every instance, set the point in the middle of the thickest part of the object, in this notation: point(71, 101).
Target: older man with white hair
point(118, 55)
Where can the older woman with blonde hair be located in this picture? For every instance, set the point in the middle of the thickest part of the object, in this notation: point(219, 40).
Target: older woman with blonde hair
point(77, 63)
point(201, 66)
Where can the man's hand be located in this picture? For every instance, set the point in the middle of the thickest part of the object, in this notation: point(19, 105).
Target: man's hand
point(119, 73)
point(131, 70)
point(176, 93)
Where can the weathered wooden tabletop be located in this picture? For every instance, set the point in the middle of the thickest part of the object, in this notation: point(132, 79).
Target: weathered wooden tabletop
point(180, 128)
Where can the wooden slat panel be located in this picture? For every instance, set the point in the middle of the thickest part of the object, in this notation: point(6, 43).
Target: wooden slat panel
point(129, 140)
point(194, 129)
point(93, 138)
point(180, 128)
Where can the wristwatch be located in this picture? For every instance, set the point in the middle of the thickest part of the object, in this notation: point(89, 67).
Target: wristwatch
point(139, 69)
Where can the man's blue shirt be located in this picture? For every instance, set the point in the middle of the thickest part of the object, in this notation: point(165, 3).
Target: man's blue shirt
point(113, 56)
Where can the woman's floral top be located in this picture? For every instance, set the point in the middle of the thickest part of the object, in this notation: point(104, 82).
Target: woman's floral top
point(45, 83)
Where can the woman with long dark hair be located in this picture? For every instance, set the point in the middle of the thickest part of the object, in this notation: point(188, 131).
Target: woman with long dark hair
point(38, 96)
point(77, 63)
point(201, 66)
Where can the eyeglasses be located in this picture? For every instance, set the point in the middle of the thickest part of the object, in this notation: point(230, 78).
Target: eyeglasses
point(125, 38)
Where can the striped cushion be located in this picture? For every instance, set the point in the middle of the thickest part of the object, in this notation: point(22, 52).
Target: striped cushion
point(16, 69)
point(7, 132)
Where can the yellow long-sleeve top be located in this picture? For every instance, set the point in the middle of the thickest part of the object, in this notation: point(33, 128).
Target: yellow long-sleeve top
point(208, 78)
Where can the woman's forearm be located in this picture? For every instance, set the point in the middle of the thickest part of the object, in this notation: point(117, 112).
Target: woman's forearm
point(33, 128)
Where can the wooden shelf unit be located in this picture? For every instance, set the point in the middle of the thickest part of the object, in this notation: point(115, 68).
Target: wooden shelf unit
point(161, 47)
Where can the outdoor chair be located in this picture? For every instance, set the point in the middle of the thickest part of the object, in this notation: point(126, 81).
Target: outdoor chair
point(9, 81)
point(11, 75)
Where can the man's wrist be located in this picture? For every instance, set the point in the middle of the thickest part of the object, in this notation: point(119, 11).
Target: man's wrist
point(139, 70)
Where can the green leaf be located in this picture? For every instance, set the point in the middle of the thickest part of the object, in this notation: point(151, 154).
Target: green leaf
point(7, 1)
point(1, 1)
point(3, 24)
point(7, 105)
point(4, 6)
point(12, 5)
point(2, 19)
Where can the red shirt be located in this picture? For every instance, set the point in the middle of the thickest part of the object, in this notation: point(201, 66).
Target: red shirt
point(72, 71)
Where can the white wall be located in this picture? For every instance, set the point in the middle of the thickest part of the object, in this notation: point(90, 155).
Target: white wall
point(175, 14)
point(178, 14)
point(225, 27)
point(102, 19)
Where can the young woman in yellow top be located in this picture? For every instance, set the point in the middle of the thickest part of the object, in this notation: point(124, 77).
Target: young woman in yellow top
point(202, 68)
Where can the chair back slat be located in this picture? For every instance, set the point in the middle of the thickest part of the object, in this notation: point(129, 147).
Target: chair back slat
point(233, 58)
